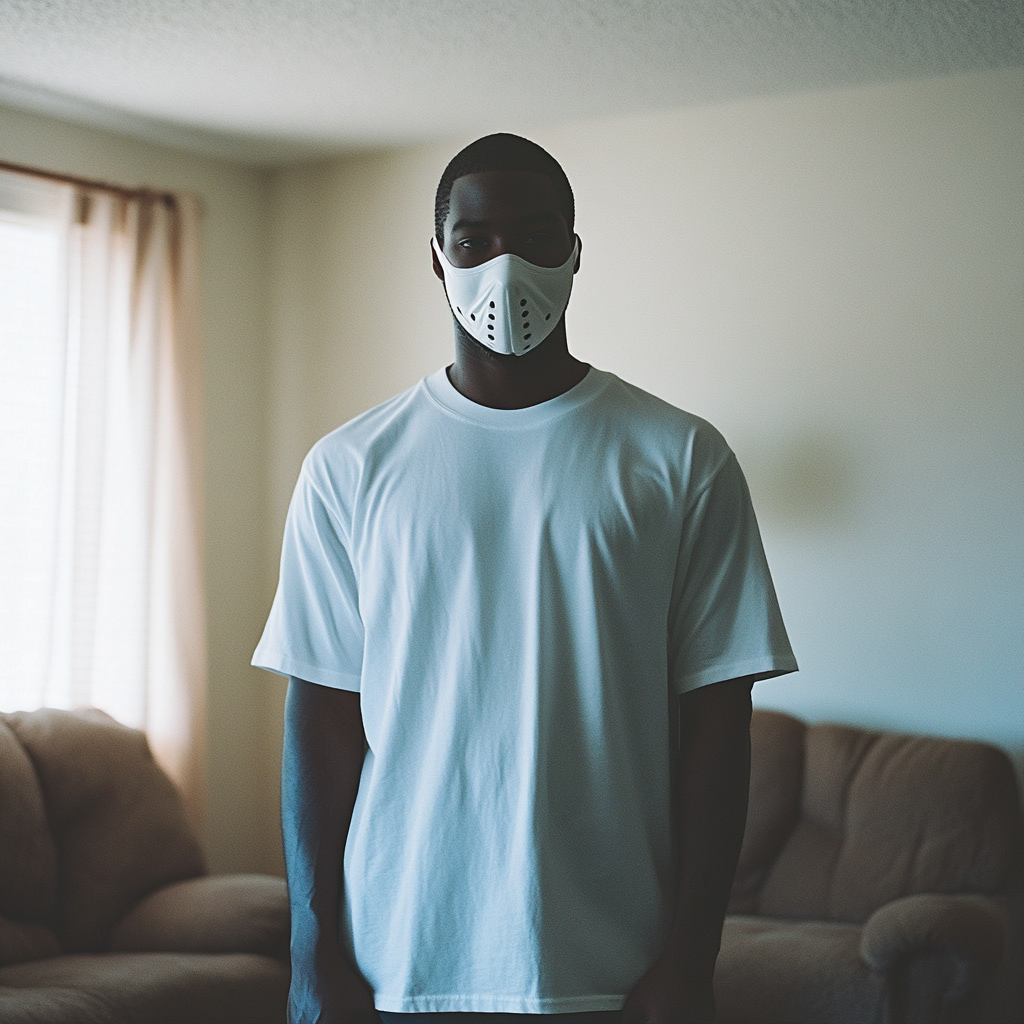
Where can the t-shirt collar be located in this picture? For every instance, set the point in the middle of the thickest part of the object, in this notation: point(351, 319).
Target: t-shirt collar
point(443, 393)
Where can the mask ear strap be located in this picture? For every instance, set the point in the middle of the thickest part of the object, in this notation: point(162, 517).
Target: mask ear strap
point(445, 262)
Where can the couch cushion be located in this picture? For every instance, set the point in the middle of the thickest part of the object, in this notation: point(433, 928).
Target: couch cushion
point(776, 775)
point(886, 815)
point(145, 988)
point(118, 822)
point(216, 914)
point(796, 972)
point(28, 879)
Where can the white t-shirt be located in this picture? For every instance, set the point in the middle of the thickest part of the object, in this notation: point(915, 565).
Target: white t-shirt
point(518, 596)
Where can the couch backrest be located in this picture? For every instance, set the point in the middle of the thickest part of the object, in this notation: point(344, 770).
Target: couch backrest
point(113, 818)
point(28, 854)
point(844, 820)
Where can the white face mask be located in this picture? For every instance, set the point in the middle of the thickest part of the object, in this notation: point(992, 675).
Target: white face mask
point(507, 304)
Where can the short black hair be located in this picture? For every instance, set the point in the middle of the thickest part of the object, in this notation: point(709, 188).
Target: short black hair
point(502, 152)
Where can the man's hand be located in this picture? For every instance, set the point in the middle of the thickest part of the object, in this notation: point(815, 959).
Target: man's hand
point(667, 994)
point(329, 991)
point(713, 784)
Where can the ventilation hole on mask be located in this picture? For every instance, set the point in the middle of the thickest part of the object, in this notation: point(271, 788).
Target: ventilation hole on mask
point(490, 316)
point(525, 336)
point(491, 336)
point(526, 348)
point(525, 326)
point(522, 302)
point(526, 312)
point(492, 305)
point(548, 317)
point(472, 316)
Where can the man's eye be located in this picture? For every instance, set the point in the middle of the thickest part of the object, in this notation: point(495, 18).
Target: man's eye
point(471, 243)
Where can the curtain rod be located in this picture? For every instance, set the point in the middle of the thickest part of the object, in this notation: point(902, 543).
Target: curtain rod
point(102, 186)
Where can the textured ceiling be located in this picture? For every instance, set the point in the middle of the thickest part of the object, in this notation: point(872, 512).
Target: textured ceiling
point(271, 80)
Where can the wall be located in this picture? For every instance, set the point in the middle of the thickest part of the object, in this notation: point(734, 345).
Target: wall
point(834, 279)
point(243, 833)
point(837, 280)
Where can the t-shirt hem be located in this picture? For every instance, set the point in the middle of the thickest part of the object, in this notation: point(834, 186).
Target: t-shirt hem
point(496, 1004)
point(285, 666)
point(763, 667)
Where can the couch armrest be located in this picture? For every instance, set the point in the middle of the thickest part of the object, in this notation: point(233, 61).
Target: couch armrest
point(215, 914)
point(969, 928)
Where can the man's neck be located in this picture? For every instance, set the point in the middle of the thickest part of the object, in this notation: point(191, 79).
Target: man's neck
point(514, 382)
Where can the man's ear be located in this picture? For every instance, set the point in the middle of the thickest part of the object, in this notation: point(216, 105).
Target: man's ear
point(576, 265)
point(438, 272)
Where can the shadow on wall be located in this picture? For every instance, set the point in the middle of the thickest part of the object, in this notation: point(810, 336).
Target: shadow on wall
point(809, 479)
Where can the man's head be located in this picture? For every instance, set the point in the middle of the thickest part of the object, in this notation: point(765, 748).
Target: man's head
point(503, 152)
point(505, 246)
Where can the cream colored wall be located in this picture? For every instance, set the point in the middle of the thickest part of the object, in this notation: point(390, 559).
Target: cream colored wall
point(838, 284)
point(243, 833)
point(835, 280)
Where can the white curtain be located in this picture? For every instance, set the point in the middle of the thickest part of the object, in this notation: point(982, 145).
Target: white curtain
point(124, 621)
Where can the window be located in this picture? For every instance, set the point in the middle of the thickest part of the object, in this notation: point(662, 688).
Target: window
point(101, 597)
point(34, 218)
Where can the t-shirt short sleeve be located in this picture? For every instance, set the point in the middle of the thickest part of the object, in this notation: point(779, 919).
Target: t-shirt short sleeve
point(724, 618)
point(314, 630)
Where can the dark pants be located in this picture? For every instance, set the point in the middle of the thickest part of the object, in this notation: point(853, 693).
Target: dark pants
point(591, 1017)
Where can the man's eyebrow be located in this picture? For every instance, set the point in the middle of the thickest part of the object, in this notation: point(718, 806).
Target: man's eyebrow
point(459, 224)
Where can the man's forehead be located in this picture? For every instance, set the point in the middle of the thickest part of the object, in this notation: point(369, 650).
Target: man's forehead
point(476, 195)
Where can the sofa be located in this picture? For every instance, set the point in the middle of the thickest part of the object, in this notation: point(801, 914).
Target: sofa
point(107, 913)
point(880, 882)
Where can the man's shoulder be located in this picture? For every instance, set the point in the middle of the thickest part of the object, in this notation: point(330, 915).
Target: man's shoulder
point(648, 405)
point(360, 434)
point(660, 423)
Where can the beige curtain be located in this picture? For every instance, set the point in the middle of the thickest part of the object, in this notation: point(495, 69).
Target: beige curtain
point(125, 618)
point(136, 589)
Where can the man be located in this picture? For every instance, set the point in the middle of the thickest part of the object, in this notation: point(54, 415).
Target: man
point(538, 596)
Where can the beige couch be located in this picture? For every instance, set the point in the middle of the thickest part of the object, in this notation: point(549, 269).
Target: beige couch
point(107, 914)
point(879, 883)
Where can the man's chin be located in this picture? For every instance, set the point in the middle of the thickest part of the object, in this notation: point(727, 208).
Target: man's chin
point(478, 347)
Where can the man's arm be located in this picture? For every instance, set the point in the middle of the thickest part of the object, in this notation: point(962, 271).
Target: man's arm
point(323, 757)
point(714, 782)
